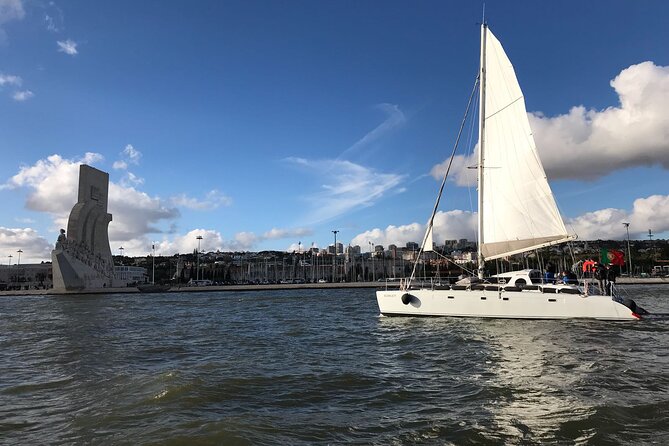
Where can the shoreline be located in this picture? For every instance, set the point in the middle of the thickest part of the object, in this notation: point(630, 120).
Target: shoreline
point(278, 286)
point(202, 289)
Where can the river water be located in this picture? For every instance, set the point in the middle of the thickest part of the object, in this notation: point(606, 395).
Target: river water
point(321, 367)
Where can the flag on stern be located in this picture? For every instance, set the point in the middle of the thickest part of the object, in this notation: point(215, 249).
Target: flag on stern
point(612, 257)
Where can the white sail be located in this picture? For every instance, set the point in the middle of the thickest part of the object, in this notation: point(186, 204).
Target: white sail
point(427, 240)
point(519, 210)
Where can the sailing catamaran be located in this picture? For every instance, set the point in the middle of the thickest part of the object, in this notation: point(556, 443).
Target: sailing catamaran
point(516, 213)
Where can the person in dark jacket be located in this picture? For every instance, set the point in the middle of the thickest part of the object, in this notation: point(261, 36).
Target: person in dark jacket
point(600, 275)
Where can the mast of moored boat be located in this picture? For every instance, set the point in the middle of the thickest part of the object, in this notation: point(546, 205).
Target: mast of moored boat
point(482, 86)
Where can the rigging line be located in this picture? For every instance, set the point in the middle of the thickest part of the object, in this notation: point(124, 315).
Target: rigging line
point(453, 263)
point(471, 153)
point(443, 181)
point(504, 108)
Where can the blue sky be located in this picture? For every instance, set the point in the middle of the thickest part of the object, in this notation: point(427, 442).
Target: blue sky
point(264, 124)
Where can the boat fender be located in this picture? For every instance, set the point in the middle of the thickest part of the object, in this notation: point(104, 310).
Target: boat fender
point(629, 303)
point(406, 298)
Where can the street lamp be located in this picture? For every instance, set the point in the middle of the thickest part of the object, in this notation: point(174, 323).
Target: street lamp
point(199, 237)
point(371, 251)
point(629, 252)
point(334, 260)
point(19, 265)
point(9, 262)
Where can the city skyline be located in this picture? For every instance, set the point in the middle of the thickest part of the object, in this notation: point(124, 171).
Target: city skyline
point(263, 125)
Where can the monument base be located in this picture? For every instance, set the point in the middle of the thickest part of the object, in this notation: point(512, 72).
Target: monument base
point(72, 274)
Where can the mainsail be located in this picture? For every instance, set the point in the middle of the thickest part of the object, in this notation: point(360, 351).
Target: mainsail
point(518, 208)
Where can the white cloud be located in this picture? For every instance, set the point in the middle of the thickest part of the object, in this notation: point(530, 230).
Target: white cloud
point(647, 213)
point(276, 233)
point(53, 18)
point(129, 155)
point(53, 184)
point(120, 165)
point(131, 180)
point(24, 95)
point(211, 241)
point(132, 155)
point(10, 79)
point(451, 225)
point(68, 47)
point(346, 187)
point(461, 173)
point(395, 118)
point(212, 200)
point(35, 247)
point(10, 10)
point(587, 144)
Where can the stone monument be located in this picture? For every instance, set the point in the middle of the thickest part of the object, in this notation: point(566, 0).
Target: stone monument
point(82, 259)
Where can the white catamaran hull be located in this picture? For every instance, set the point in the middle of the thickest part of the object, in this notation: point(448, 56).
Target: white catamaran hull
point(528, 304)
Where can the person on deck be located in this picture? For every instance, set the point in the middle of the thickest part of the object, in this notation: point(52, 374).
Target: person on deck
point(600, 275)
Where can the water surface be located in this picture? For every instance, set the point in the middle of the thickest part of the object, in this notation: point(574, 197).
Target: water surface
point(321, 367)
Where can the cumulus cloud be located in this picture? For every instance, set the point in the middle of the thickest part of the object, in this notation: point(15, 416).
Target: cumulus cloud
point(24, 95)
point(647, 213)
point(587, 144)
point(211, 241)
point(451, 225)
point(346, 187)
point(53, 184)
point(463, 170)
point(214, 241)
point(10, 10)
point(68, 47)
point(212, 200)
point(35, 247)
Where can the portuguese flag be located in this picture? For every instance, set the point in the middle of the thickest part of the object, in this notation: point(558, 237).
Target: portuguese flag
point(612, 257)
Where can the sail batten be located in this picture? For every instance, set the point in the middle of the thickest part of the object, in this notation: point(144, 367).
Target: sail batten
point(518, 207)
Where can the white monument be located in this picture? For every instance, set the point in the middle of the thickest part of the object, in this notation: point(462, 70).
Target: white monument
point(82, 259)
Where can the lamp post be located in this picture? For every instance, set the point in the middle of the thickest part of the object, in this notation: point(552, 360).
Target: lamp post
point(9, 265)
point(629, 252)
point(371, 251)
point(18, 264)
point(153, 263)
point(334, 259)
point(199, 237)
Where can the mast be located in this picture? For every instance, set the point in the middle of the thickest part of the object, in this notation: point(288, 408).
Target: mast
point(481, 159)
